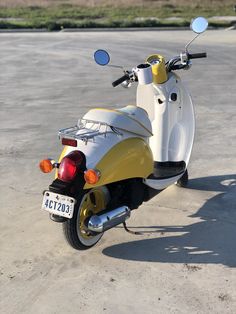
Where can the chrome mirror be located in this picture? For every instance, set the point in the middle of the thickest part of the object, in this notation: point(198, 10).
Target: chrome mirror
point(101, 57)
point(199, 25)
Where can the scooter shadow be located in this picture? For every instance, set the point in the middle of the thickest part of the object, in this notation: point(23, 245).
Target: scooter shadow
point(210, 240)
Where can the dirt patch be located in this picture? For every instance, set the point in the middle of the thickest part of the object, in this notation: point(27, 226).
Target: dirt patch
point(224, 297)
point(192, 268)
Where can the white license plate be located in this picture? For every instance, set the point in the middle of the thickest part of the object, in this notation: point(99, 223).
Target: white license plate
point(58, 204)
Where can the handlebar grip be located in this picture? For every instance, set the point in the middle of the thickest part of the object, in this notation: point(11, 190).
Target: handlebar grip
point(120, 80)
point(197, 55)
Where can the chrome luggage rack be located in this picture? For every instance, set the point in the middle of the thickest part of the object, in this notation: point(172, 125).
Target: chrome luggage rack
point(87, 130)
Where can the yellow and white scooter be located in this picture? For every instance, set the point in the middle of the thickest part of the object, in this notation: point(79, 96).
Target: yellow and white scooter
point(115, 159)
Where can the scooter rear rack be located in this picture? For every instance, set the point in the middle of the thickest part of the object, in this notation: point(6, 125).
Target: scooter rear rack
point(87, 130)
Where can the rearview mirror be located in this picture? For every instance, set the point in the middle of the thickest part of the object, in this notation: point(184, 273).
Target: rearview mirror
point(101, 57)
point(199, 25)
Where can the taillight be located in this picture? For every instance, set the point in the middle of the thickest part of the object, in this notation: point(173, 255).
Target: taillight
point(69, 166)
point(69, 142)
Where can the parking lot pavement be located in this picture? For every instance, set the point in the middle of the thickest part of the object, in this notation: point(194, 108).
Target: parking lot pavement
point(185, 260)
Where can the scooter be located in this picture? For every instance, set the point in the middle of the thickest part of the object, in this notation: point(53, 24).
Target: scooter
point(115, 159)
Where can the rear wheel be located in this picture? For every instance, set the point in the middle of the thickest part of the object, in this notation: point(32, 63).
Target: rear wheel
point(75, 230)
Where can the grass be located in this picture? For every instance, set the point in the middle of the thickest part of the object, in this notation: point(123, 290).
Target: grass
point(57, 15)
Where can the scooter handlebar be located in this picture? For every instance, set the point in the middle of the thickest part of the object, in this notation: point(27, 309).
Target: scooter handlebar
point(197, 55)
point(121, 80)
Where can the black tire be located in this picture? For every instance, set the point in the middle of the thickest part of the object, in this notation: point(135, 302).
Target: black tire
point(183, 181)
point(74, 229)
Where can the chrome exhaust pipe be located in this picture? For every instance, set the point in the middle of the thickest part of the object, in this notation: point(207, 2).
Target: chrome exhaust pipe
point(108, 219)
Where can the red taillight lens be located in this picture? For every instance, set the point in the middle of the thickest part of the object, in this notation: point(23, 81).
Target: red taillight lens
point(67, 170)
point(69, 166)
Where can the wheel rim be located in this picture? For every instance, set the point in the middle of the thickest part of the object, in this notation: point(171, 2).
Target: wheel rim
point(93, 202)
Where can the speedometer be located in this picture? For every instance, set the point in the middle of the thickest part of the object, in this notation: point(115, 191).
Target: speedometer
point(153, 59)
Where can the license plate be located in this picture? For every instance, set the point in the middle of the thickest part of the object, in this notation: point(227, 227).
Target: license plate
point(58, 204)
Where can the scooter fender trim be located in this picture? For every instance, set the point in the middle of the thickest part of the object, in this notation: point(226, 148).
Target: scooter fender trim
point(131, 158)
point(163, 183)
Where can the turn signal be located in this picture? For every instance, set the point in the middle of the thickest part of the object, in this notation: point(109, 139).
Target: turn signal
point(46, 165)
point(92, 176)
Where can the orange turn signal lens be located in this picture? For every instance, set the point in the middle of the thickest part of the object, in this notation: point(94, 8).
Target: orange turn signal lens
point(46, 165)
point(92, 176)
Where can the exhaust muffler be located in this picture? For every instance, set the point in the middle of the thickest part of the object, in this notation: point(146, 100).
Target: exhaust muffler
point(108, 219)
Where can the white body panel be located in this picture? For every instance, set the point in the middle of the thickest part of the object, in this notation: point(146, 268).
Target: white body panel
point(173, 123)
point(130, 118)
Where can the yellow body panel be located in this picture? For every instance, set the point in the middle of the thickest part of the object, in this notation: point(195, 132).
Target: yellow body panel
point(131, 158)
point(158, 70)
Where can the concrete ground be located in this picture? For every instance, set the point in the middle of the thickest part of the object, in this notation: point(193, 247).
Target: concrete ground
point(185, 262)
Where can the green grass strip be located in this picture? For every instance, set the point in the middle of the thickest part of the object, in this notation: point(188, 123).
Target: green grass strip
point(67, 16)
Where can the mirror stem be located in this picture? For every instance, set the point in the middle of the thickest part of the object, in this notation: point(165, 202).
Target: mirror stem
point(188, 44)
point(116, 66)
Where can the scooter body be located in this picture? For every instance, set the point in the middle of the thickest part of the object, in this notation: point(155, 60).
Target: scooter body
point(153, 140)
point(170, 109)
point(115, 159)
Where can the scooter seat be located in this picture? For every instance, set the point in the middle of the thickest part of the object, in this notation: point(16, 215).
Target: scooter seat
point(130, 118)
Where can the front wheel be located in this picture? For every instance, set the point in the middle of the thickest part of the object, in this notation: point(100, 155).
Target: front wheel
point(183, 181)
point(75, 230)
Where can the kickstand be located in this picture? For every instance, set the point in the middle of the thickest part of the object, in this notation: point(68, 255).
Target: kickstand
point(130, 231)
